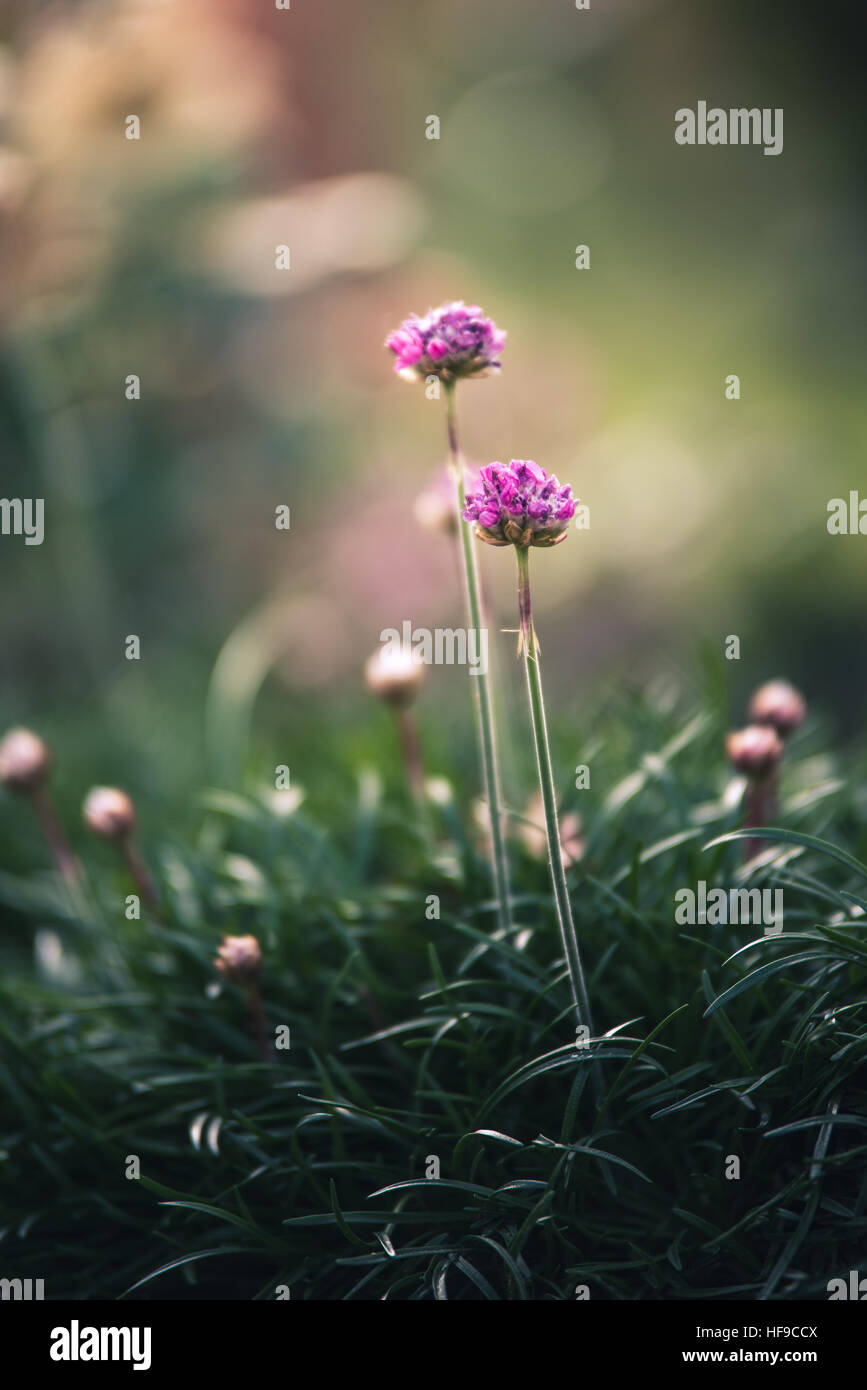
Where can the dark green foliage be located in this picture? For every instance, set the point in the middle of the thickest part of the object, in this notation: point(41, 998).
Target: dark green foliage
point(413, 1038)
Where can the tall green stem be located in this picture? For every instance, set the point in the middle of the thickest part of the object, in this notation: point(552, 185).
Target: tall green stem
point(480, 680)
point(530, 649)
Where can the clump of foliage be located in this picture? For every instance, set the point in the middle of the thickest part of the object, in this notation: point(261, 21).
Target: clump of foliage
point(430, 1132)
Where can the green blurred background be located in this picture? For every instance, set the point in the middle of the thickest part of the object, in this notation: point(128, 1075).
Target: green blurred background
point(262, 387)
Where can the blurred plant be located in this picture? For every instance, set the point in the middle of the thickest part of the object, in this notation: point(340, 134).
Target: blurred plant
point(395, 676)
point(776, 710)
point(239, 960)
point(779, 704)
point(529, 829)
point(109, 813)
point(533, 833)
point(435, 509)
point(756, 752)
point(25, 762)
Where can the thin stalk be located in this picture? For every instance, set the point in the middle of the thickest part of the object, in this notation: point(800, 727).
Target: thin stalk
point(529, 646)
point(411, 750)
point(259, 1023)
point(760, 804)
point(481, 681)
point(139, 872)
point(56, 839)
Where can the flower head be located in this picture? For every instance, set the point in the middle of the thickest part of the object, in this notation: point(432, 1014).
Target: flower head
point(24, 760)
point(520, 504)
point(239, 959)
point(779, 704)
point(109, 813)
point(755, 750)
point(394, 674)
point(456, 340)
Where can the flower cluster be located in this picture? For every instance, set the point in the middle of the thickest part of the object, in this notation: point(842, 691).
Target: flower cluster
point(455, 340)
point(519, 504)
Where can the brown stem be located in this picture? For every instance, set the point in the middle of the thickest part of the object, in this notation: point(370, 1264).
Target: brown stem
point(759, 808)
point(139, 872)
point(259, 1025)
point(411, 749)
point(57, 842)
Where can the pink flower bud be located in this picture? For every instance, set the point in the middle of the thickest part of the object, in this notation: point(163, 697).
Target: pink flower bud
point(239, 959)
point(436, 508)
point(534, 837)
point(24, 761)
point(109, 813)
point(394, 675)
point(779, 704)
point(755, 750)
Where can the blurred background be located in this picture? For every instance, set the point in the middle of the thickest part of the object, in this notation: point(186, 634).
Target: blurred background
point(263, 387)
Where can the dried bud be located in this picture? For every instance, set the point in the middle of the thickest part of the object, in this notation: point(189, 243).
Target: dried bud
point(24, 761)
point(109, 813)
point(239, 959)
point(779, 704)
point(755, 750)
point(394, 674)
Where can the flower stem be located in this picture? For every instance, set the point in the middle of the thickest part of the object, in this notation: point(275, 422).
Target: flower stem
point(55, 837)
point(411, 750)
point(530, 649)
point(139, 873)
point(760, 805)
point(259, 1023)
point(480, 680)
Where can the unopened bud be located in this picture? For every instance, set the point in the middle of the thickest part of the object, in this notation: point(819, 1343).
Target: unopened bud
point(436, 512)
point(239, 959)
point(436, 509)
point(779, 704)
point(394, 674)
point(109, 813)
point(535, 839)
point(755, 750)
point(24, 760)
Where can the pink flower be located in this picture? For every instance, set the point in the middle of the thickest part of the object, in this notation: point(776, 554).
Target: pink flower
point(520, 504)
point(456, 340)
